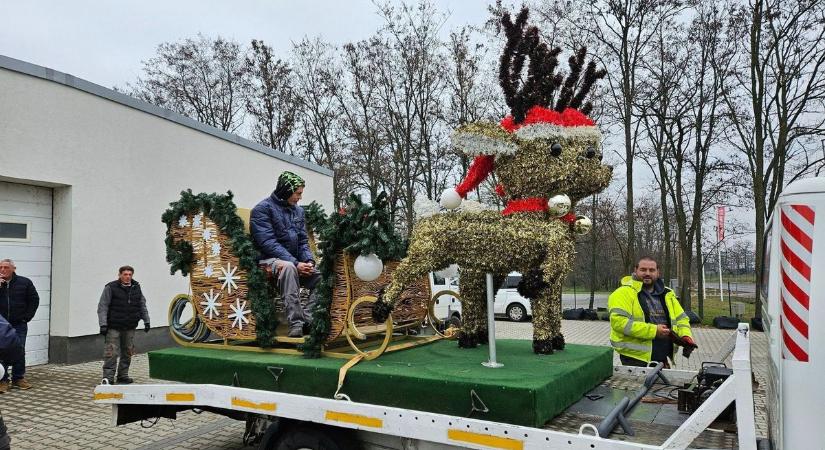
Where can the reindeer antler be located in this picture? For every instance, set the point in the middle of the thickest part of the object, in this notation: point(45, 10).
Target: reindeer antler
point(542, 82)
point(569, 97)
point(540, 85)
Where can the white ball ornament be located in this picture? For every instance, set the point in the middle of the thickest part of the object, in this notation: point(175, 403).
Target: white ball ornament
point(582, 226)
point(368, 267)
point(450, 199)
point(558, 205)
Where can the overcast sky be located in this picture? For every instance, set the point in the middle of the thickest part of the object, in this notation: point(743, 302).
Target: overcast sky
point(105, 41)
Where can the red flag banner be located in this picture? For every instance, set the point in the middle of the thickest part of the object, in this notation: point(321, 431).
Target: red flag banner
point(720, 223)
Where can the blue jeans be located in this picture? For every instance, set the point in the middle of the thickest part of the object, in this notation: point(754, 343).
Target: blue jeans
point(20, 363)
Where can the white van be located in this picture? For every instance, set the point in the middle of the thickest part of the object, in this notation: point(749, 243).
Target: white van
point(508, 301)
point(447, 305)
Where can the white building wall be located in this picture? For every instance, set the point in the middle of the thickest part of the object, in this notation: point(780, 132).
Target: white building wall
point(114, 169)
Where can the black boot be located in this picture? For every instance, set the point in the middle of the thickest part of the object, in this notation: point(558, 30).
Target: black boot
point(558, 342)
point(483, 337)
point(543, 347)
point(380, 309)
point(467, 340)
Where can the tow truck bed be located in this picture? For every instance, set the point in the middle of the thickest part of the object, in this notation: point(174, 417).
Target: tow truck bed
point(656, 426)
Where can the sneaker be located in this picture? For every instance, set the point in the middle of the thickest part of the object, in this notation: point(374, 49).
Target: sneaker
point(4, 387)
point(21, 384)
point(125, 380)
point(296, 332)
point(109, 381)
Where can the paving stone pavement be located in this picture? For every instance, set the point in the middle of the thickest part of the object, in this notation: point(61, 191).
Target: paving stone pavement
point(59, 414)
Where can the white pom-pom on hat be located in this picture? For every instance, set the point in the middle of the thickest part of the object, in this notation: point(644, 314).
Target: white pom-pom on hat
point(450, 199)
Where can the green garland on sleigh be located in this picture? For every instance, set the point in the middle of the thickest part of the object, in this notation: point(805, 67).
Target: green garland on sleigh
point(360, 228)
point(222, 210)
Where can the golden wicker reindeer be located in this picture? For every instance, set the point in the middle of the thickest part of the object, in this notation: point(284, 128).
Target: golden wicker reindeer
point(234, 304)
point(547, 147)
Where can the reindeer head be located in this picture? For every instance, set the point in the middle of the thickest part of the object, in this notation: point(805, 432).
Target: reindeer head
point(547, 145)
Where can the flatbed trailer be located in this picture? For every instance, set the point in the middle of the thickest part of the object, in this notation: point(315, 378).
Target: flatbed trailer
point(282, 420)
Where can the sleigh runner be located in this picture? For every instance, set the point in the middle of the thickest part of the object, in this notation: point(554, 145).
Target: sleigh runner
point(233, 303)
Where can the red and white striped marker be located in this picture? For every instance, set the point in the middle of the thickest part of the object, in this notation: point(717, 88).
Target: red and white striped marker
point(797, 246)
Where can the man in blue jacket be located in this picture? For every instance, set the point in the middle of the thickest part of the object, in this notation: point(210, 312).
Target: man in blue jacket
point(11, 349)
point(277, 224)
point(18, 304)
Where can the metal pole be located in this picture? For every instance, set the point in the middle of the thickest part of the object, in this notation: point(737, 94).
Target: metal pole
point(704, 282)
point(491, 325)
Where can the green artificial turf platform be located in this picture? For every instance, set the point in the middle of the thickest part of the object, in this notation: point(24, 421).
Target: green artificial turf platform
point(529, 390)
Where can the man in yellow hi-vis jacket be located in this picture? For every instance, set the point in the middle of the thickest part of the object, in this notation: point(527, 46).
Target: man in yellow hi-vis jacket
point(646, 317)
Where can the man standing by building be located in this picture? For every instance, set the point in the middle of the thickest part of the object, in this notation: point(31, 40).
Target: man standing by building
point(18, 304)
point(646, 317)
point(277, 224)
point(10, 350)
point(121, 306)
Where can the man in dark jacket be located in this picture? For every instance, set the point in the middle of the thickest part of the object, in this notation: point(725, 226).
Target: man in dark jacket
point(121, 306)
point(10, 350)
point(18, 304)
point(278, 227)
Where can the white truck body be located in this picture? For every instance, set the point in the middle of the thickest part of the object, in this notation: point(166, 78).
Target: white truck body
point(793, 309)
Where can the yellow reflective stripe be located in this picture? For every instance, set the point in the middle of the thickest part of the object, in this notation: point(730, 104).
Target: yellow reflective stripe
point(243, 403)
point(681, 316)
point(628, 327)
point(356, 419)
point(487, 440)
point(630, 346)
point(109, 396)
point(621, 312)
point(180, 397)
point(681, 325)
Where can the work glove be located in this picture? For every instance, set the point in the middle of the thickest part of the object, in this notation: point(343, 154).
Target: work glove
point(103, 330)
point(146, 327)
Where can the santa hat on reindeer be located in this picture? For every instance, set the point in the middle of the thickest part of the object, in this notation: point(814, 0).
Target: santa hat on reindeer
point(568, 119)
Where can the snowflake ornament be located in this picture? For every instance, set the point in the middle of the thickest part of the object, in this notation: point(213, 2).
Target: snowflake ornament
point(183, 221)
point(196, 221)
point(210, 306)
point(207, 234)
point(229, 278)
point(209, 271)
point(239, 313)
point(216, 248)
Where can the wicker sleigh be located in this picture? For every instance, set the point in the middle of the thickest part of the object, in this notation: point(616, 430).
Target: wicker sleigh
point(220, 312)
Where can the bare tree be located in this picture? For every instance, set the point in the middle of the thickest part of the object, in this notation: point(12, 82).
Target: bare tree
point(203, 78)
point(410, 74)
point(683, 117)
point(271, 103)
point(624, 30)
point(779, 100)
point(361, 116)
point(317, 85)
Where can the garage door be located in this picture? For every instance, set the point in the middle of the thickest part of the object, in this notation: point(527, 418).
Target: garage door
point(26, 238)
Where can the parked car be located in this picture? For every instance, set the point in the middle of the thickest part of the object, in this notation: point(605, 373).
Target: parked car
point(509, 303)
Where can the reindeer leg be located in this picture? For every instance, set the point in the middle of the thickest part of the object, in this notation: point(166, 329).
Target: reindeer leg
point(473, 308)
point(555, 321)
